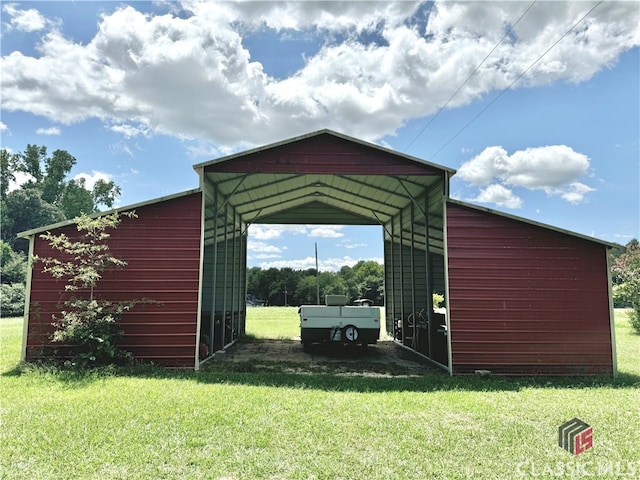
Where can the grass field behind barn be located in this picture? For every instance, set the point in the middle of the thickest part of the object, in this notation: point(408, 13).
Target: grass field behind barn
point(245, 422)
point(281, 323)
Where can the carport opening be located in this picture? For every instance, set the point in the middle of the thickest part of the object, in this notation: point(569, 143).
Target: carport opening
point(281, 276)
point(344, 256)
point(294, 265)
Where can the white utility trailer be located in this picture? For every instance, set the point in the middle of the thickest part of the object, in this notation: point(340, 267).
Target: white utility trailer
point(337, 322)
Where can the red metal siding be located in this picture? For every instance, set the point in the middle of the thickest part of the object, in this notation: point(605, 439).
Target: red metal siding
point(162, 248)
point(525, 299)
point(324, 154)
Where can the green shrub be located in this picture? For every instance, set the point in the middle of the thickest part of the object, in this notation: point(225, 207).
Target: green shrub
point(622, 296)
point(627, 269)
point(13, 265)
point(634, 319)
point(12, 300)
point(92, 326)
point(88, 323)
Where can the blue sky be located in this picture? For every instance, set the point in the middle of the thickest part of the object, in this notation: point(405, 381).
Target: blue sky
point(535, 104)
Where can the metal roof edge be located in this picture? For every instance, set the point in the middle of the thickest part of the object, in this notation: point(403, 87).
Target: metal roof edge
point(125, 208)
point(316, 133)
point(531, 222)
point(259, 149)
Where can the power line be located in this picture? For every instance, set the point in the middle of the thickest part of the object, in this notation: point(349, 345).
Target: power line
point(507, 33)
point(516, 80)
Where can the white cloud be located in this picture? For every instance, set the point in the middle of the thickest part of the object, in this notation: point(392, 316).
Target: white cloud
point(188, 74)
point(499, 195)
point(24, 20)
point(262, 232)
point(263, 256)
point(482, 169)
point(327, 264)
point(555, 169)
point(270, 232)
point(48, 131)
point(124, 148)
point(130, 131)
point(3, 127)
point(624, 236)
point(295, 264)
point(538, 167)
point(91, 179)
point(348, 244)
point(204, 150)
point(121, 147)
point(326, 231)
point(332, 16)
point(262, 247)
point(545, 167)
point(574, 192)
point(20, 179)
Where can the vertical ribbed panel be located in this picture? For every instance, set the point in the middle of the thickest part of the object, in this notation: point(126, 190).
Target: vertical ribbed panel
point(525, 299)
point(162, 248)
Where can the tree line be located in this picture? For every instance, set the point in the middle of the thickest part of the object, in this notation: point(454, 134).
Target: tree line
point(285, 286)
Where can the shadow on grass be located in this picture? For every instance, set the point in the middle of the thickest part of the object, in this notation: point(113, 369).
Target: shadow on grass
point(251, 338)
point(55, 372)
point(291, 375)
point(381, 378)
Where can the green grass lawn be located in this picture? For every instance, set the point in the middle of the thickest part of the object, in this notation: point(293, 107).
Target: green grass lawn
point(150, 423)
point(280, 323)
point(273, 322)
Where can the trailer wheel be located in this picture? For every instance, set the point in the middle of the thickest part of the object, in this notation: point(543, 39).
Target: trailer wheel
point(351, 334)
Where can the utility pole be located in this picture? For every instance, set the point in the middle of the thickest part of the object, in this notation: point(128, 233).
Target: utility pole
point(317, 278)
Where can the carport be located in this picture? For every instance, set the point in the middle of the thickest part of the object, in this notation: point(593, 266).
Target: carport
point(521, 297)
point(328, 178)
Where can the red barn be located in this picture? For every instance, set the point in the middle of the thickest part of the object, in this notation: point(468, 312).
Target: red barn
point(162, 249)
point(521, 297)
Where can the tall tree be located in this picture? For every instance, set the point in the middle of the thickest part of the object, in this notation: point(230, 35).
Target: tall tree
point(104, 193)
point(23, 210)
point(57, 167)
point(47, 196)
point(369, 280)
point(306, 290)
point(77, 200)
point(7, 172)
point(31, 160)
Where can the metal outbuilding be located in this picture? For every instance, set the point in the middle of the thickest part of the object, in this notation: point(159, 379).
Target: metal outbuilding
point(521, 297)
point(162, 248)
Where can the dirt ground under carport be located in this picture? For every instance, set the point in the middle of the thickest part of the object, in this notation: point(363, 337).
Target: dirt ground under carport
point(383, 358)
